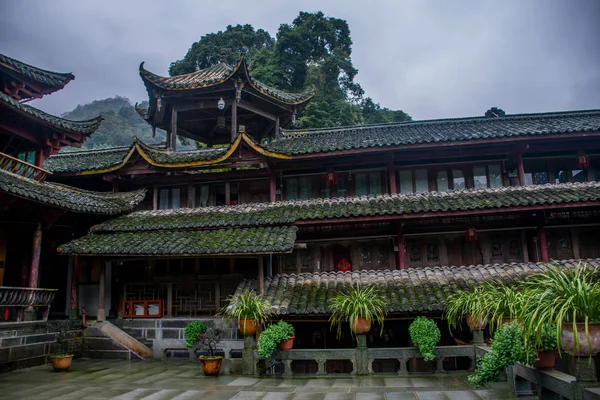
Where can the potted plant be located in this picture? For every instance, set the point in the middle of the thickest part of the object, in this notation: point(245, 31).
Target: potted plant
point(62, 359)
point(360, 306)
point(546, 356)
point(425, 334)
point(462, 304)
point(248, 309)
point(508, 348)
point(500, 303)
point(568, 298)
point(192, 332)
point(280, 334)
point(207, 338)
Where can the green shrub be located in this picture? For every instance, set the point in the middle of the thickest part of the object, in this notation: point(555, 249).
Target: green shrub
point(508, 348)
point(270, 337)
point(192, 332)
point(425, 334)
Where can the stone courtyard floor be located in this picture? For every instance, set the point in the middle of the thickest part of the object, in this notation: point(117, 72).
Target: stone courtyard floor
point(153, 380)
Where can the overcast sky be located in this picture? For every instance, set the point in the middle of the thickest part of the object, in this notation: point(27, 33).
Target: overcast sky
point(432, 59)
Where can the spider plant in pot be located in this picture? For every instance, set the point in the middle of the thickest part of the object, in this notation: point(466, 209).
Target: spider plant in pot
point(501, 303)
point(467, 304)
point(568, 298)
point(546, 357)
point(359, 306)
point(248, 309)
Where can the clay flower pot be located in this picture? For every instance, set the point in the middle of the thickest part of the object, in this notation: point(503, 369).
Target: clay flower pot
point(61, 362)
point(476, 324)
point(287, 344)
point(361, 327)
point(211, 366)
point(247, 326)
point(546, 359)
point(567, 339)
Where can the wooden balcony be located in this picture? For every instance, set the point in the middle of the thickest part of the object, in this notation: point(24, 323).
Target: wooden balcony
point(14, 300)
point(22, 168)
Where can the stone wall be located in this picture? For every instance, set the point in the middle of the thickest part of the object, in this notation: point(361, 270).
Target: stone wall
point(29, 346)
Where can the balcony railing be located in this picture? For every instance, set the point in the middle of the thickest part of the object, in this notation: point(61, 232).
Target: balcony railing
point(19, 167)
point(15, 300)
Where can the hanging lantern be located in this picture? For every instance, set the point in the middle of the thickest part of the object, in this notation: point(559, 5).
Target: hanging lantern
point(344, 265)
point(583, 161)
point(331, 179)
point(471, 235)
point(221, 104)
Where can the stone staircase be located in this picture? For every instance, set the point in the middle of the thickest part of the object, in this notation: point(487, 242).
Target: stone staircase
point(106, 340)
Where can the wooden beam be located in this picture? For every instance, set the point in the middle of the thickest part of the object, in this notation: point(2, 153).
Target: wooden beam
point(300, 246)
point(250, 107)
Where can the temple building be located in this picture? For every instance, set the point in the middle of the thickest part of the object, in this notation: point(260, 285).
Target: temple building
point(419, 207)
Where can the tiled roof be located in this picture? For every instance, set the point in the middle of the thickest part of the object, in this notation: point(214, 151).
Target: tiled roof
point(77, 161)
point(408, 290)
point(217, 74)
point(211, 242)
point(83, 127)
point(286, 212)
point(296, 142)
point(163, 156)
point(69, 198)
point(56, 79)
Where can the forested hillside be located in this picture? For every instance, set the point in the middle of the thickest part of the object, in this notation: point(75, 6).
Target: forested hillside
point(121, 123)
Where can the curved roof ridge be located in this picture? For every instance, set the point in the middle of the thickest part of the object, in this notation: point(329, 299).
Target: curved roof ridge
point(292, 133)
point(51, 78)
point(90, 151)
point(85, 126)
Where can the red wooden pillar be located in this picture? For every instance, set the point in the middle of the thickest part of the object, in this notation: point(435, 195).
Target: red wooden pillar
point(272, 187)
point(36, 247)
point(542, 242)
point(401, 259)
point(520, 169)
point(392, 174)
point(234, 127)
point(39, 159)
point(74, 304)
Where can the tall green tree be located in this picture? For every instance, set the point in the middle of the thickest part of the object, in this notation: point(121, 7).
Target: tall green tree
point(313, 51)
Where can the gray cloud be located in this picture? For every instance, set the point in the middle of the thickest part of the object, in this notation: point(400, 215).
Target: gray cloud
point(432, 59)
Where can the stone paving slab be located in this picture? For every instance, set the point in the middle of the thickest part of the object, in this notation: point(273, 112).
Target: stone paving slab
point(184, 380)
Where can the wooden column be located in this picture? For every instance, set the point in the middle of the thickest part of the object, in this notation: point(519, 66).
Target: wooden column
point(272, 187)
point(172, 138)
point(575, 242)
point(227, 193)
point(34, 267)
point(524, 244)
point(231, 265)
point(543, 245)
point(24, 270)
point(233, 120)
point(261, 276)
point(169, 299)
point(520, 169)
point(101, 315)
point(392, 174)
point(39, 159)
point(217, 296)
point(74, 303)
point(190, 196)
point(155, 198)
point(298, 263)
point(277, 127)
point(401, 257)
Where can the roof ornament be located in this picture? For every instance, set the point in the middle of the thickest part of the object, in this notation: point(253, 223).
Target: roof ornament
point(495, 112)
point(294, 117)
point(238, 89)
point(223, 57)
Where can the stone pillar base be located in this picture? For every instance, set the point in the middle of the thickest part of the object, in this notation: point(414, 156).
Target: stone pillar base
point(249, 366)
point(101, 315)
point(478, 337)
point(73, 313)
point(362, 356)
point(29, 315)
point(582, 368)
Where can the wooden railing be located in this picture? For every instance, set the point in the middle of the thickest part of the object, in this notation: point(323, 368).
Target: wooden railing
point(14, 300)
point(19, 167)
point(141, 309)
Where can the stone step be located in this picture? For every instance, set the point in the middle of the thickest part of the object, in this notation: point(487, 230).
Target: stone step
point(135, 346)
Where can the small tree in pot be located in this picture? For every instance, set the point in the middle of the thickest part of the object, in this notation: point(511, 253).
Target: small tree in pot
point(196, 332)
point(359, 306)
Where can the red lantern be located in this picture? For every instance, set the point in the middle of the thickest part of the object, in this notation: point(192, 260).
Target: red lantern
point(583, 161)
point(470, 235)
point(344, 265)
